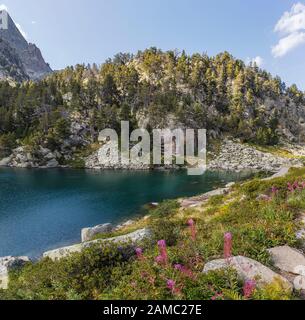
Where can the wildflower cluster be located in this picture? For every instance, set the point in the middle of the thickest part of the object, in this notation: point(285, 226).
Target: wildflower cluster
point(192, 227)
point(248, 289)
point(228, 245)
point(162, 258)
point(296, 186)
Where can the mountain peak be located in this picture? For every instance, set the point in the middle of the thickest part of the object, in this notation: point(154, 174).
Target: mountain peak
point(10, 33)
point(29, 55)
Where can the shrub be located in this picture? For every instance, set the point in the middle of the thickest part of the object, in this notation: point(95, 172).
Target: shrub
point(7, 144)
point(165, 208)
point(296, 200)
point(167, 230)
point(221, 284)
point(77, 163)
point(266, 136)
point(80, 276)
point(215, 200)
point(273, 291)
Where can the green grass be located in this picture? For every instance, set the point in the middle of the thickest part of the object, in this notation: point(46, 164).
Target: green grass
point(275, 150)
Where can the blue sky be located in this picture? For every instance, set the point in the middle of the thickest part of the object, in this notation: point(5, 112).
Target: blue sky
point(77, 31)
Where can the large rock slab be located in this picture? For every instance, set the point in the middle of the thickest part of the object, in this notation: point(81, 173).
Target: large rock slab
point(7, 264)
point(125, 224)
point(247, 268)
point(281, 173)
point(53, 163)
point(199, 200)
point(88, 233)
point(133, 237)
point(287, 259)
point(5, 162)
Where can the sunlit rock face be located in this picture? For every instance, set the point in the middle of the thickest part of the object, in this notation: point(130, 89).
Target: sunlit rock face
point(19, 60)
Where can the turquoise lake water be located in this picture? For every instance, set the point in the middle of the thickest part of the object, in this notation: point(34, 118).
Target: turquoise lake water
point(45, 209)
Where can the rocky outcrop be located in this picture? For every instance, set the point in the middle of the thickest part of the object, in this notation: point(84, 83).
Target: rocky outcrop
point(87, 234)
point(287, 259)
point(11, 67)
point(7, 264)
point(199, 200)
point(5, 162)
point(28, 156)
point(124, 225)
point(35, 66)
point(235, 156)
point(281, 173)
point(248, 269)
point(22, 158)
point(291, 264)
point(112, 161)
point(133, 237)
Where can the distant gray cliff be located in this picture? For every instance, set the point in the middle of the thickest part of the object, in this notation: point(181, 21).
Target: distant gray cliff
point(19, 60)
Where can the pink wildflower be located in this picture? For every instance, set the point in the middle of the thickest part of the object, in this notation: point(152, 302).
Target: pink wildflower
point(139, 253)
point(192, 226)
point(178, 267)
point(274, 190)
point(295, 185)
point(227, 245)
point(184, 270)
point(217, 296)
point(171, 285)
point(162, 244)
point(159, 260)
point(249, 288)
point(162, 250)
point(290, 187)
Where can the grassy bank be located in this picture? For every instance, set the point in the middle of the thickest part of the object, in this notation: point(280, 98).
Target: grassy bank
point(193, 237)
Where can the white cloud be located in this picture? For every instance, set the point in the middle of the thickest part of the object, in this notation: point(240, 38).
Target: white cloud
point(293, 20)
point(288, 43)
point(21, 31)
point(33, 22)
point(259, 61)
point(3, 7)
point(292, 28)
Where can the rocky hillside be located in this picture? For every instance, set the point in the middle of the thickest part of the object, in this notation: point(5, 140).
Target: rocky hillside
point(153, 89)
point(11, 66)
point(20, 60)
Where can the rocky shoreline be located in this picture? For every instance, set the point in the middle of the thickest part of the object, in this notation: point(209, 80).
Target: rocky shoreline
point(235, 156)
point(232, 156)
point(23, 158)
